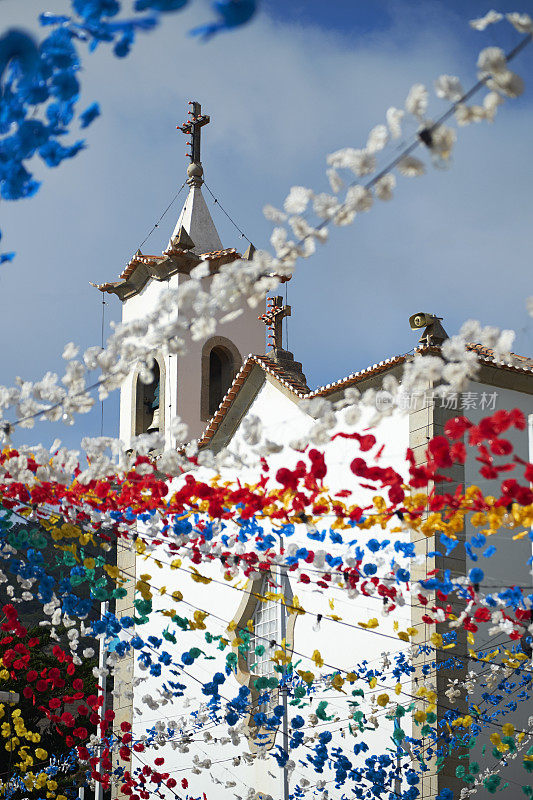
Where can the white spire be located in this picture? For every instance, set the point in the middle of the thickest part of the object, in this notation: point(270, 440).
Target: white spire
point(195, 217)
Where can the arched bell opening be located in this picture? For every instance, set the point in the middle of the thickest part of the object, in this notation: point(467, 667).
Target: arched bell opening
point(220, 376)
point(220, 363)
point(149, 405)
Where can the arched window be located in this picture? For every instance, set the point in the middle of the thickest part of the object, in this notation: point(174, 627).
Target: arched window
point(149, 403)
point(220, 363)
point(259, 627)
point(266, 628)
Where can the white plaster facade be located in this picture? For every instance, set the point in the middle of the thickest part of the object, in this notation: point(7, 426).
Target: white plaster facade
point(342, 645)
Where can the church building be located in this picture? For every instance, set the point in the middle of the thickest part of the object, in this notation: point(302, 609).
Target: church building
point(219, 388)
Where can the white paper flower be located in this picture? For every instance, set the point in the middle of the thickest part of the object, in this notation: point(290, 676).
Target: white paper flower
point(411, 166)
point(252, 429)
point(483, 22)
point(504, 344)
point(325, 205)
point(465, 115)
point(364, 163)
point(231, 315)
point(416, 102)
point(522, 22)
point(454, 348)
point(278, 240)
point(359, 161)
point(509, 83)
point(492, 61)
point(70, 351)
point(274, 214)
point(359, 199)
point(491, 101)
point(449, 87)
point(394, 117)
point(352, 415)
point(385, 186)
point(470, 330)
point(344, 216)
point(179, 430)
point(377, 139)
point(297, 200)
point(335, 180)
point(443, 140)
point(300, 227)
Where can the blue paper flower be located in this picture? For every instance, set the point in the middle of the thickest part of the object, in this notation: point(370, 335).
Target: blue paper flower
point(231, 13)
point(476, 575)
point(89, 115)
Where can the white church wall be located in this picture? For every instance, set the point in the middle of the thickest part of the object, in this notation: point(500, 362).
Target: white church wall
point(246, 332)
point(133, 308)
point(184, 373)
point(343, 644)
point(507, 567)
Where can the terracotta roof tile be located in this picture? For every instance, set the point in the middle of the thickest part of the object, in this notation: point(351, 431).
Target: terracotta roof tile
point(134, 262)
point(356, 377)
point(282, 375)
point(126, 286)
point(216, 254)
point(515, 359)
point(517, 364)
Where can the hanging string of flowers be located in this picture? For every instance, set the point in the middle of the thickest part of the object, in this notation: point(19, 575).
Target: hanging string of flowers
point(187, 524)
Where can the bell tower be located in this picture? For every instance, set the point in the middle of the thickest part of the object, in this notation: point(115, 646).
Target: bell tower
point(191, 385)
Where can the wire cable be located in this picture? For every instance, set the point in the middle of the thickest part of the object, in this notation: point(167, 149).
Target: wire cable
point(217, 202)
point(156, 224)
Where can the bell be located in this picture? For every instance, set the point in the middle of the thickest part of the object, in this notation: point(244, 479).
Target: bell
point(154, 425)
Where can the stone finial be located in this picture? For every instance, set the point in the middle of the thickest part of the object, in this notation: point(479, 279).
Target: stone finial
point(182, 240)
point(195, 175)
point(249, 254)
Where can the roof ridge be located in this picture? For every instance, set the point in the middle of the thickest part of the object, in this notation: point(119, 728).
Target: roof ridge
point(489, 353)
point(270, 366)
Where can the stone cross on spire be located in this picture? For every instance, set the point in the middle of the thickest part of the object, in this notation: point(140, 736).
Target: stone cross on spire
point(195, 218)
point(273, 319)
point(193, 128)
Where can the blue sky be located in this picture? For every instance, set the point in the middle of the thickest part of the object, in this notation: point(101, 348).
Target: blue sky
point(303, 80)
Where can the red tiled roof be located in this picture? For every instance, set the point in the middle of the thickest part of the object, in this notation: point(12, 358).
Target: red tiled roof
point(486, 356)
point(127, 288)
point(132, 264)
point(216, 254)
point(356, 377)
